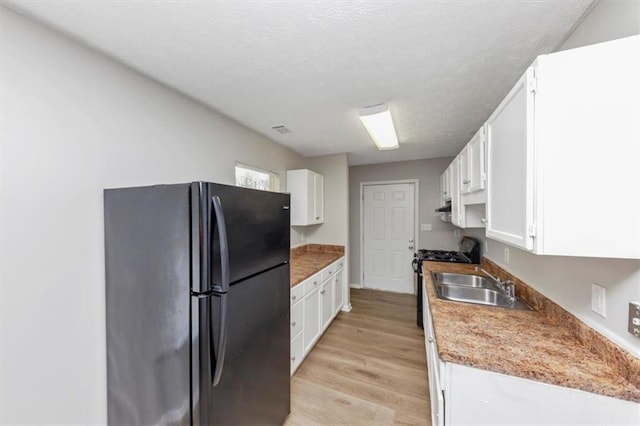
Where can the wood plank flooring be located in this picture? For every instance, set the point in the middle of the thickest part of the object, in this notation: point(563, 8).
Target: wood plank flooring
point(369, 367)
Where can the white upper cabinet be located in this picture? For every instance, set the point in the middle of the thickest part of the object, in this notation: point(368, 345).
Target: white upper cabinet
point(462, 214)
point(307, 197)
point(457, 215)
point(510, 158)
point(476, 174)
point(463, 163)
point(563, 152)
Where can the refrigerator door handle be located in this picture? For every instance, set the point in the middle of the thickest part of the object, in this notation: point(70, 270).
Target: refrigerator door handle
point(220, 353)
point(223, 287)
point(221, 291)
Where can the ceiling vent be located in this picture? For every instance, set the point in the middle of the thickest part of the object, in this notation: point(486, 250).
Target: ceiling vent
point(281, 129)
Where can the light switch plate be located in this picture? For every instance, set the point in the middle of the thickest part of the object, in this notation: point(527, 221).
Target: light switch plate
point(599, 300)
point(634, 318)
point(426, 227)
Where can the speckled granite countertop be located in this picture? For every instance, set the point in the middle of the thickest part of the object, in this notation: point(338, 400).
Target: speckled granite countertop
point(518, 343)
point(309, 259)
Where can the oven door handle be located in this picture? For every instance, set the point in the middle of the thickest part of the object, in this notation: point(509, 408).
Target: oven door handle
point(415, 264)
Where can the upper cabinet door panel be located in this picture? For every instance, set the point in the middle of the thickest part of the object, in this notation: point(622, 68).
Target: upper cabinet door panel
point(477, 174)
point(307, 197)
point(510, 142)
point(464, 164)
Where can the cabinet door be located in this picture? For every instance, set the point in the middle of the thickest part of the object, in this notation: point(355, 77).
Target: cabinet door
point(318, 208)
point(476, 162)
point(464, 170)
point(311, 318)
point(326, 294)
point(297, 352)
point(510, 167)
point(457, 215)
point(311, 194)
point(297, 318)
point(444, 187)
point(338, 290)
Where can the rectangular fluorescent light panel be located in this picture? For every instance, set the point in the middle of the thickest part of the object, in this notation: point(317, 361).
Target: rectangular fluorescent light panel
point(377, 120)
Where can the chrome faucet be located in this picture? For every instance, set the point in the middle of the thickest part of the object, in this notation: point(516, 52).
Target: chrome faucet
point(508, 287)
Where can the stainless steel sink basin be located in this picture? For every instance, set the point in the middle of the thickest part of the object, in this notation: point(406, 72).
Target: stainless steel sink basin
point(462, 280)
point(473, 289)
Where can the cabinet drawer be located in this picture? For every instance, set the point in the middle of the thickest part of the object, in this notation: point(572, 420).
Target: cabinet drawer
point(297, 316)
point(328, 272)
point(296, 293)
point(297, 352)
point(339, 264)
point(312, 283)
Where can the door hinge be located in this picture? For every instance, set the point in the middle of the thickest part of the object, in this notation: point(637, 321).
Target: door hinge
point(532, 230)
point(533, 84)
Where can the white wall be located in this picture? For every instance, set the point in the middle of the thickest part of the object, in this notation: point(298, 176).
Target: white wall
point(567, 280)
point(428, 174)
point(74, 122)
point(608, 20)
point(335, 230)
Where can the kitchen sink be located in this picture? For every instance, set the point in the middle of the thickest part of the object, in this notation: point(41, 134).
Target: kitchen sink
point(474, 289)
point(461, 280)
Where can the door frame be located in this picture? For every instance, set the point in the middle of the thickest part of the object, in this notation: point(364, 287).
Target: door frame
point(416, 201)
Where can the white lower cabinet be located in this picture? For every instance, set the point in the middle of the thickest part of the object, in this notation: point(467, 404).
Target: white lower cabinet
point(338, 292)
point(326, 295)
point(315, 302)
point(297, 352)
point(297, 318)
point(468, 395)
point(312, 318)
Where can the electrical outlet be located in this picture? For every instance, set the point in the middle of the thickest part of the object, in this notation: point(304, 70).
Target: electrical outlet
point(599, 300)
point(426, 227)
point(507, 255)
point(456, 233)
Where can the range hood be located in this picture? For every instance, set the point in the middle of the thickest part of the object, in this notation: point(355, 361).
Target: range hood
point(444, 209)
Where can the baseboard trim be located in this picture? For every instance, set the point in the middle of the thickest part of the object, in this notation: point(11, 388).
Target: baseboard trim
point(353, 285)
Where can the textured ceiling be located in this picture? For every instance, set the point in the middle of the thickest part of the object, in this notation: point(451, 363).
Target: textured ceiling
point(442, 66)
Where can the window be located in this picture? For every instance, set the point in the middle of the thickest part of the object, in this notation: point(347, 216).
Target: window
point(253, 177)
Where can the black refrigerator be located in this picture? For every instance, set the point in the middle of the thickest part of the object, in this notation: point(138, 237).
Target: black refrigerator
point(197, 305)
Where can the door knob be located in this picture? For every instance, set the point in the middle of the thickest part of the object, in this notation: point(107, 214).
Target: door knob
point(410, 247)
point(410, 240)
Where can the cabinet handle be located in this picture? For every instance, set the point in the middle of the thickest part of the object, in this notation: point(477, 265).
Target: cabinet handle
point(323, 291)
point(466, 182)
point(317, 217)
point(483, 220)
point(293, 324)
point(293, 298)
point(330, 272)
point(293, 358)
point(315, 283)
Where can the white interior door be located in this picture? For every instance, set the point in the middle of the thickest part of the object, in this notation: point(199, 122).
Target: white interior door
point(389, 240)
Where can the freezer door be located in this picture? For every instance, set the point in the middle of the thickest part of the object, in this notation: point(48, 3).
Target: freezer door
point(148, 305)
point(257, 227)
point(253, 386)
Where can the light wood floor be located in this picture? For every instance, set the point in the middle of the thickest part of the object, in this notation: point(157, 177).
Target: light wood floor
point(369, 368)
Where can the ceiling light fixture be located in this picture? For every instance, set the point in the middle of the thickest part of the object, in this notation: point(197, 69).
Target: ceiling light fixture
point(378, 122)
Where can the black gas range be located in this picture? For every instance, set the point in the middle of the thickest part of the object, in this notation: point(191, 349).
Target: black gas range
point(469, 252)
